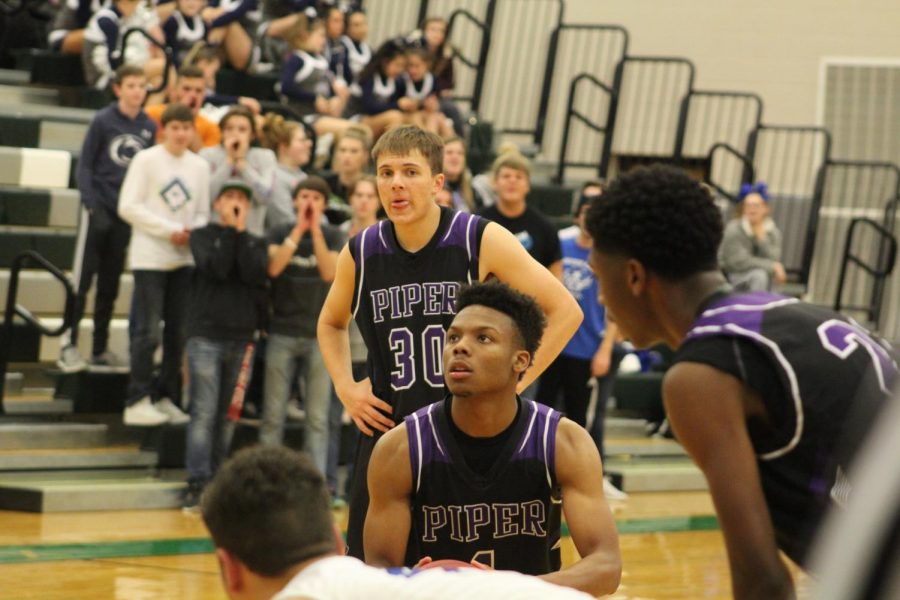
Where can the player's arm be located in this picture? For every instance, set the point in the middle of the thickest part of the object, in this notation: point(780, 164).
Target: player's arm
point(593, 529)
point(504, 257)
point(706, 408)
point(334, 342)
point(390, 486)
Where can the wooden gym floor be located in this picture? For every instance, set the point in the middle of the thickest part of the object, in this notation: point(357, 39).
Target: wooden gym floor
point(671, 548)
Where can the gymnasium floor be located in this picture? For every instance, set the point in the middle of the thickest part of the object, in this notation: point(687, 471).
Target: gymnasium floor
point(671, 548)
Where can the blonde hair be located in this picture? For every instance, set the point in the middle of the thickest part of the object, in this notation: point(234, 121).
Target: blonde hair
point(277, 131)
point(509, 157)
point(359, 132)
point(465, 178)
point(298, 33)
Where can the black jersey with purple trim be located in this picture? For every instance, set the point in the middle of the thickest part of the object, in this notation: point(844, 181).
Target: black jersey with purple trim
point(508, 518)
point(403, 303)
point(822, 378)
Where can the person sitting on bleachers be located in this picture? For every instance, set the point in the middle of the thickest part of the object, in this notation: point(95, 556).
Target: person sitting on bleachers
point(421, 86)
point(192, 23)
point(102, 52)
point(458, 178)
point(236, 158)
point(359, 53)
point(307, 84)
point(115, 135)
point(351, 160)
point(750, 253)
point(433, 37)
point(67, 28)
point(190, 89)
point(381, 98)
point(278, 18)
point(293, 149)
point(335, 51)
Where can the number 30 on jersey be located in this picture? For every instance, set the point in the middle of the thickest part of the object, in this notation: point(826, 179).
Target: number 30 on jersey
point(414, 358)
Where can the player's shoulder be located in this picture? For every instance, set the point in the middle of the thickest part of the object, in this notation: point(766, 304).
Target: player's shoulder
point(393, 445)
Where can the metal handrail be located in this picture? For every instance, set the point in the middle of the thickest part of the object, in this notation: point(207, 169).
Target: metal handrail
point(684, 113)
point(13, 309)
point(166, 52)
point(571, 113)
point(887, 255)
point(478, 66)
point(748, 167)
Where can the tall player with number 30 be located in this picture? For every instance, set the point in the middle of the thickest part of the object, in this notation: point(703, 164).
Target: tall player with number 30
point(769, 395)
point(398, 280)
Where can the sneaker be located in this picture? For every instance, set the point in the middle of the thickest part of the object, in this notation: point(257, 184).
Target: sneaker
point(294, 412)
point(106, 361)
point(190, 502)
point(144, 414)
point(612, 492)
point(175, 415)
point(70, 360)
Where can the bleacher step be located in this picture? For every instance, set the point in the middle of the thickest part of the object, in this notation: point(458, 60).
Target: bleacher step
point(619, 427)
point(86, 495)
point(121, 457)
point(18, 94)
point(34, 404)
point(14, 77)
point(51, 435)
point(662, 476)
point(13, 384)
point(43, 294)
point(643, 449)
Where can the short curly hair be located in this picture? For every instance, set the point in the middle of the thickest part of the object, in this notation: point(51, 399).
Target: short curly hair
point(661, 217)
point(524, 310)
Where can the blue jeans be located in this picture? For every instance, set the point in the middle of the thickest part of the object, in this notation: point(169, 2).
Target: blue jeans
point(282, 354)
point(335, 411)
point(158, 296)
point(213, 368)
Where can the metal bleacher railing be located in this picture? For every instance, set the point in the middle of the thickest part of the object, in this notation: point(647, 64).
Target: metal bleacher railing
point(13, 310)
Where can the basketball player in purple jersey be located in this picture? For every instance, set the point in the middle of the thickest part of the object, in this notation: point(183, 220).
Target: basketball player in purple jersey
point(481, 475)
point(770, 396)
point(398, 280)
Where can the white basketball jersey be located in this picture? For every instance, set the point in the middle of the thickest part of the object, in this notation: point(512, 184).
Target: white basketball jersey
point(346, 578)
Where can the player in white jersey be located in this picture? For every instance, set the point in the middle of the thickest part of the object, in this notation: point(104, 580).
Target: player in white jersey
point(269, 515)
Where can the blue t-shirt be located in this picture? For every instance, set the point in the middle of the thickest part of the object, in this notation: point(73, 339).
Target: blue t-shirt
point(579, 279)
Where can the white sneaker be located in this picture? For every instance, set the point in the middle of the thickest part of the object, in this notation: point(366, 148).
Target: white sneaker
point(70, 360)
point(144, 414)
point(612, 492)
point(175, 415)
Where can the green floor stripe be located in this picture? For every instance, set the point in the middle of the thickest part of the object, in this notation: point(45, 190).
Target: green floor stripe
point(48, 552)
point(168, 547)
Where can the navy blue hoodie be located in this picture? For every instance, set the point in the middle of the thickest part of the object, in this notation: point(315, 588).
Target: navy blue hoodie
point(111, 142)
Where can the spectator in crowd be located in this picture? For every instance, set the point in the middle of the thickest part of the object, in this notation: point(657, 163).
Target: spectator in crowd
point(270, 519)
point(235, 157)
point(421, 85)
point(293, 149)
point(196, 22)
point(190, 89)
point(750, 253)
point(382, 99)
point(364, 209)
point(351, 160)
point(307, 84)
point(511, 172)
point(184, 29)
point(207, 60)
point(302, 260)
point(102, 47)
point(67, 28)
point(335, 51)
point(165, 195)
point(114, 136)
point(227, 308)
point(458, 178)
point(278, 18)
point(592, 355)
point(359, 54)
point(433, 37)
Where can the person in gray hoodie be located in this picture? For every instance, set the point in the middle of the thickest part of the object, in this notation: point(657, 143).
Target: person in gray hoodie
point(750, 253)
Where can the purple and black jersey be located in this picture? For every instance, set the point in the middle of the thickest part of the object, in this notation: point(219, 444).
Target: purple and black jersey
point(822, 378)
point(508, 517)
point(403, 303)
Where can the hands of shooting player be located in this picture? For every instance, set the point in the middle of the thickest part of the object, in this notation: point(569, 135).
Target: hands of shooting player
point(363, 407)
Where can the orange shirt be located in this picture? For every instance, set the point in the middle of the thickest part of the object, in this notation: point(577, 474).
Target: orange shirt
point(207, 130)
